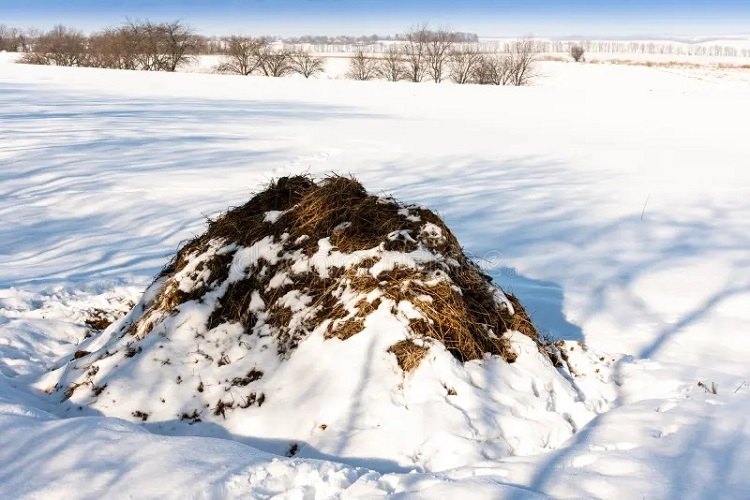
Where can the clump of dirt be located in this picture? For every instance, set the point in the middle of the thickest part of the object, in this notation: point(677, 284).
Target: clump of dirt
point(281, 263)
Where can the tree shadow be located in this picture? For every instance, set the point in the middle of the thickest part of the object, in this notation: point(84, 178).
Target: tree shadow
point(95, 147)
point(544, 215)
point(535, 215)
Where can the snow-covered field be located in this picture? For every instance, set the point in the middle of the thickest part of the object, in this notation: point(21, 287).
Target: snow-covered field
point(613, 200)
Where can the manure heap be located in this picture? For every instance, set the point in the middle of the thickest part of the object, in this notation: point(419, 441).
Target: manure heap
point(317, 320)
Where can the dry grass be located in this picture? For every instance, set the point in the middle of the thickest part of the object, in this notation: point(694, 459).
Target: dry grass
point(553, 58)
point(733, 66)
point(673, 64)
point(408, 354)
point(346, 328)
point(649, 64)
point(462, 314)
point(455, 299)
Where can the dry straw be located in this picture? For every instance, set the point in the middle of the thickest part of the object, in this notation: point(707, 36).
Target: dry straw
point(458, 304)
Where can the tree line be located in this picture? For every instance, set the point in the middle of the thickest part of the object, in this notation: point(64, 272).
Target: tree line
point(440, 55)
point(460, 36)
point(14, 39)
point(419, 55)
point(422, 55)
point(134, 45)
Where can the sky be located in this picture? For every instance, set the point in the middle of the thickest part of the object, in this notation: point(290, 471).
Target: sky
point(583, 18)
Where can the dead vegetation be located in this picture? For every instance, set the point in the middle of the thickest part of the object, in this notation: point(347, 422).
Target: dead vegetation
point(251, 376)
point(732, 66)
point(457, 305)
point(87, 380)
point(98, 319)
point(363, 67)
point(408, 354)
point(711, 389)
point(650, 64)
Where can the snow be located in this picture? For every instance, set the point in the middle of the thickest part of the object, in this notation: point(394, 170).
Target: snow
point(612, 200)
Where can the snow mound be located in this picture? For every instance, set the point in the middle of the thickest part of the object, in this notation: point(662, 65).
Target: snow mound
point(320, 321)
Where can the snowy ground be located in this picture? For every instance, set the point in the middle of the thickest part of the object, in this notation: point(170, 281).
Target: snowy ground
point(613, 200)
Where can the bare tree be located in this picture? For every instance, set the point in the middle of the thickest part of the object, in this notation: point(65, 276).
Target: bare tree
point(102, 49)
point(506, 70)
point(415, 52)
point(305, 64)
point(274, 62)
point(439, 44)
point(161, 47)
point(576, 52)
point(463, 63)
point(178, 43)
point(127, 48)
point(522, 59)
point(146, 38)
point(362, 67)
point(486, 70)
point(392, 66)
point(243, 55)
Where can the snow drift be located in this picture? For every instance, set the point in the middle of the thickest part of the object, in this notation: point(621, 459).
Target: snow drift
point(318, 320)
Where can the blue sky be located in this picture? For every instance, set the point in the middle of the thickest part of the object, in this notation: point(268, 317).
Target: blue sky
point(486, 17)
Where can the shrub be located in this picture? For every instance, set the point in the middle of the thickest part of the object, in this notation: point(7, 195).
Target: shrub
point(576, 52)
point(35, 58)
point(521, 60)
point(415, 53)
point(439, 44)
point(273, 62)
point(492, 69)
point(61, 46)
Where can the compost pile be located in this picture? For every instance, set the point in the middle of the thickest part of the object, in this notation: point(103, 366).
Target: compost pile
point(309, 295)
